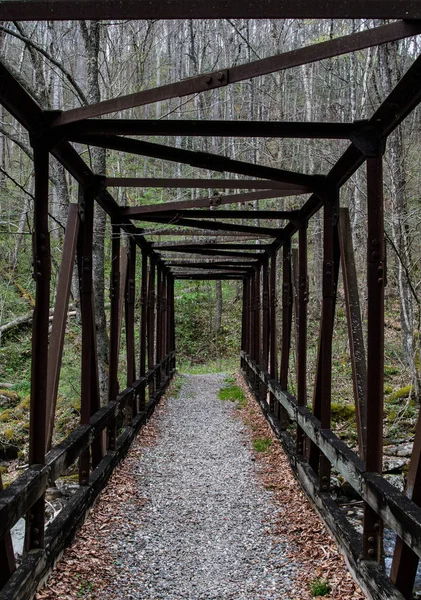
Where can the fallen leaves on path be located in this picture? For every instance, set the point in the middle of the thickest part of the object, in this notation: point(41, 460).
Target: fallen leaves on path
point(310, 543)
point(87, 567)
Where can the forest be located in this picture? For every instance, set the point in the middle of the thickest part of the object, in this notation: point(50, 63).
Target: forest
point(67, 65)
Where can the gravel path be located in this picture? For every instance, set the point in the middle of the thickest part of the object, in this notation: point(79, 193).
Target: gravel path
point(206, 530)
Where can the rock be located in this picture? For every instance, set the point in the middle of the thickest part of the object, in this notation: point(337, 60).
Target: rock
point(8, 399)
point(399, 450)
point(394, 464)
point(398, 481)
point(52, 493)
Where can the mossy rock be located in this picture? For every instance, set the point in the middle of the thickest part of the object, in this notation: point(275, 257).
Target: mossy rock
point(404, 392)
point(25, 404)
point(6, 416)
point(342, 412)
point(8, 399)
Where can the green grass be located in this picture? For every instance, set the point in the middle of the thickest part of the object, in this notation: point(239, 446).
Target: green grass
point(221, 365)
point(175, 386)
point(232, 393)
point(320, 587)
point(262, 444)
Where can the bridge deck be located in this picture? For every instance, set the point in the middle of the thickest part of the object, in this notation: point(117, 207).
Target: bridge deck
point(198, 520)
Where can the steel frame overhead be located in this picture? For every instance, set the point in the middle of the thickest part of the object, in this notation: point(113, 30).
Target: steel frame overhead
point(314, 449)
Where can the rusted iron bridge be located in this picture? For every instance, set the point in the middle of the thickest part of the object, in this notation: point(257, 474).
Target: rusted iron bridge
point(313, 448)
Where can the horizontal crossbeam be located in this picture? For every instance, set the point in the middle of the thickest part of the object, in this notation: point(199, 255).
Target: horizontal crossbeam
point(217, 184)
point(183, 127)
point(135, 211)
point(209, 225)
point(221, 253)
point(66, 10)
point(212, 246)
point(202, 160)
point(139, 213)
point(279, 62)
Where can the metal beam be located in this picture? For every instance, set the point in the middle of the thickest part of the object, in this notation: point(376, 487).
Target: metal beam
point(66, 10)
point(403, 9)
point(202, 160)
point(219, 253)
point(138, 213)
point(213, 225)
point(213, 201)
point(185, 127)
point(210, 276)
point(228, 246)
point(216, 184)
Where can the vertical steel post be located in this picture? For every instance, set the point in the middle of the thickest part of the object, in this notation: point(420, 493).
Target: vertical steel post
point(159, 299)
point(265, 316)
point(114, 327)
point(151, 322)
point(257, 326)
point(302, 328)
point(34, 537)
point(273, 354)
point(330, 222)
point(143, 325)
point(286, 324)
point(129, 297)
point(373, 526)
point(405, 561)
point(355, 327)
point(86, 212)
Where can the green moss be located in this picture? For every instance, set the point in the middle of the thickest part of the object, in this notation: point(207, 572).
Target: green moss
point(9, 434)
point(262, 444)
point(388, 389)
point(25, 404)
point(401, 393)
point(342, 412)
point(5, 416)
point(391, 370)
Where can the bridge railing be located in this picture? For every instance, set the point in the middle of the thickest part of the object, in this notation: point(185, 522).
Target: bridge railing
point(18, 499)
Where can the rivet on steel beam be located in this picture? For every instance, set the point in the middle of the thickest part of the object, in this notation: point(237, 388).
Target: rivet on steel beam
point(372, 540)
point(220, 76)
point(371, 552)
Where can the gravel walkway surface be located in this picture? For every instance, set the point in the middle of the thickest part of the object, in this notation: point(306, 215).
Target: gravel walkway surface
point(206, 530)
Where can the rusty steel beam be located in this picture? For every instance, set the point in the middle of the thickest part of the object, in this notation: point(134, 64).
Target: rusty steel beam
point(202, 160)
point(162, 212)
point(58, 328)
point(210, 225)
point(209, 276)
point(355, 326)
point(34, 536)
point(215, 184)
point(221, 253)
point(287, 60)
point(69, 10)
point(373, 526)
point(213, 201)
point(143, 325)
point(7, 555)
point(114, 329)
point(212, 266)
point(233, 246)
point(129, 297)
point(302, 329)
point(405, 561)
point(286, 325)
point(197, 233)
point(184, 127)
